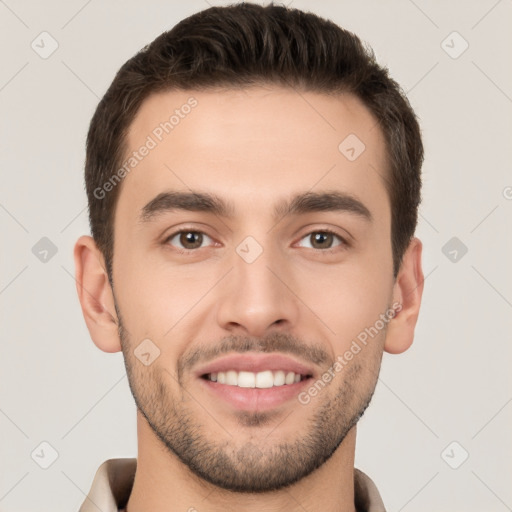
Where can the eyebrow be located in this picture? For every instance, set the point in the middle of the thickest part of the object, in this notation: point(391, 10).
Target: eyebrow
point(303, 203)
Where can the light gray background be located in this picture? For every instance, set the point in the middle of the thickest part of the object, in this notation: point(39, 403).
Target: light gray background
point(454, 384)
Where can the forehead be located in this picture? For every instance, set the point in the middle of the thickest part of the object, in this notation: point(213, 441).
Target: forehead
point(257, 144)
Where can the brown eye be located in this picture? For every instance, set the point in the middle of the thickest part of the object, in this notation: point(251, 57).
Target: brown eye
point(322, 240)
point(187, 240)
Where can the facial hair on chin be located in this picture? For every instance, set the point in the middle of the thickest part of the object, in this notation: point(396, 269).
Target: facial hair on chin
point(252, 466)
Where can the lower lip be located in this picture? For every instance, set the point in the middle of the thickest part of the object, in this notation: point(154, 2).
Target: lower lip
point(255, 399)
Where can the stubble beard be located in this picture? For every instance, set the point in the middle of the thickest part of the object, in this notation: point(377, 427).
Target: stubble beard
point(252, 464)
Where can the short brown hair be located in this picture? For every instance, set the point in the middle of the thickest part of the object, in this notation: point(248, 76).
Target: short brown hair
point(247, 44)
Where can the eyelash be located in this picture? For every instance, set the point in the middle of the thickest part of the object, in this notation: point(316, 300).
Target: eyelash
point(190, 252)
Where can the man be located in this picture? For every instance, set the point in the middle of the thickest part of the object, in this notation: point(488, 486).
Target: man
point(253, 178)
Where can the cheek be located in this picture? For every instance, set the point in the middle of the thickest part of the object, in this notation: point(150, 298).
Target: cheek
point(162, 303)
point(347, 298)
point(148, 294)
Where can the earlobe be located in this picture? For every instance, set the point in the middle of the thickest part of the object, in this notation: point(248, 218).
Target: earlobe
point(95, 295)
point(407, 293)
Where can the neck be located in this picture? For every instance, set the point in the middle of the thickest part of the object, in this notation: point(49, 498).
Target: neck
point(164, 484)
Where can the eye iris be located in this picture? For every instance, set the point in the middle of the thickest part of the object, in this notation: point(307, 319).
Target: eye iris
point(191, 237)
point(319, 240)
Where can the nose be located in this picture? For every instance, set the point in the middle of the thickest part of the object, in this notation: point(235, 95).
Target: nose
point(257, 296)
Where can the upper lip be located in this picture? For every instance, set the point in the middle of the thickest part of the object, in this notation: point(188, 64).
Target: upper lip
point(255, 363)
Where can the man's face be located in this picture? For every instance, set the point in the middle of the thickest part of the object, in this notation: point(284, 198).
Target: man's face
point(254, 295)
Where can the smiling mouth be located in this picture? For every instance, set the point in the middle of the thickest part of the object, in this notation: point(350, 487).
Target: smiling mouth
point(262, 380)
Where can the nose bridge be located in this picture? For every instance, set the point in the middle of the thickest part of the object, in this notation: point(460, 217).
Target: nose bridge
point(252, 269)
point(254, 298)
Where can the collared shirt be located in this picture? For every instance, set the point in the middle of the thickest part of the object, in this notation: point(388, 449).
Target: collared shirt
point(113, 483)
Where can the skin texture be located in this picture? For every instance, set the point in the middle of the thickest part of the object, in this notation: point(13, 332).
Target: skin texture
point(254, 148)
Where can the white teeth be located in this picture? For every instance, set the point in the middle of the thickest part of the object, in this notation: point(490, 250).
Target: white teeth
point(262, 380)
point(265, 379)
point(290, 378)
point(246, 380)
point(279, 377)
point(231, 378)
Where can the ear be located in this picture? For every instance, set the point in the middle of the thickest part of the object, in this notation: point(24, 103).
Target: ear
point(407, 292)
point(95, 295)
